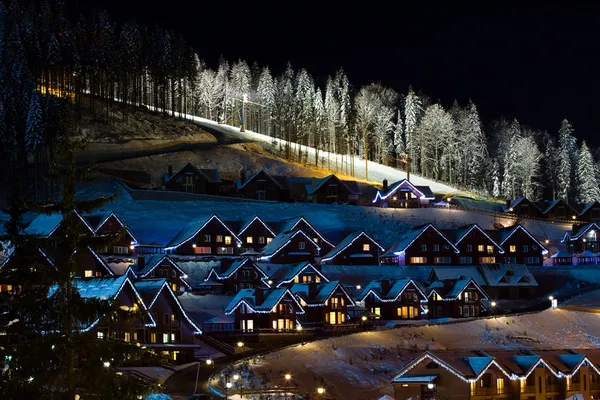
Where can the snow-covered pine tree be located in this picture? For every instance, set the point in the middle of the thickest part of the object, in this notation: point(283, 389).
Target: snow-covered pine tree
point(566, 150)
point(413, 108)
point(496, 185)
point(319, 123)
point(266, 97)
point(332, 113)
point(587, 186)
point(399, 145)
point(435, 131)
point(222, 81)
point(33, 132)
point(303, 107)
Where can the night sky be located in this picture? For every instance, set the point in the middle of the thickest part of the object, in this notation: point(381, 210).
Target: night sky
point(538, 63)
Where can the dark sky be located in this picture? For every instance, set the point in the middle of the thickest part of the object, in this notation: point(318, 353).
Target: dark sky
point(537, 62)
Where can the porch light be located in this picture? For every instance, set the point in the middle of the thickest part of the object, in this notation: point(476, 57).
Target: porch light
point(288, 377)
point(394, 198)
point(106, 364)
point(299, 328)
point(321, 390)
point(364, 318)
point(358, 287)
point(546, 241)
point(131, 247)
point(239, 245)
point(574, 217)
point(228, 385)
point(236, 377)
point(270, 282)
point(511, 209)
point(194, 245)
point(240, 344)
point(430, 386)
point(493, 304)
point(550, 298)
point(209, 362)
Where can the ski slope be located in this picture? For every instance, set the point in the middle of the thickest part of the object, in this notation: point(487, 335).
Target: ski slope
point(377, 172)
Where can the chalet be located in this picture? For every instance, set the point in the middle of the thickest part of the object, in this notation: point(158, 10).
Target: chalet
point(559, 210)
point(51, 226)
point(499, 374)
point(88, 264)
point(119, 292)
point(454, 298)
point(234, 275)
point(403, 194)
point(301, 223)
point(523, 207)
point(208, 235)
point(259, 309)
point(175, 331)
point(475, 245)
point(328, 190)
point(21, 269)
point(191, 179)
point(264, 186)
point(324, 303)
point(357, 248)
point(287, 275)
point(562, 257)
point(582, 237)
point(508, 281)
point(162, 266)
point(590, 212)
point(109, 224)
point(520, 247)
point(393, 299)
point(255, 234)
point(289, 248)
point(421, 245)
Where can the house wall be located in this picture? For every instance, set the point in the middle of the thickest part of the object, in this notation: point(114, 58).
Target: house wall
point(474, 239)
point(311, 233)
point(527, 209)
point(456, 308)
point(591, 215)
point(272, 190)
point(389, 310)
point(520, 239)
point(243, 278)
point(510, 292)
point(85, 261)
point(325, 195)
point(344, 257)
point(262, 321)
point(214, 229)
point(561, 211)
point(430, 238)
point(446, 384)
point(201, 184)
point(174, 278)
point(258, 233)
point(136, 329)
point(113, 227)
point(284, 256)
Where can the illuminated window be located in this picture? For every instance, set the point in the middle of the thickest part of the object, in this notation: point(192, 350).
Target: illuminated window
point(127, 337)
point(227, 239)
point(88, 273)
point(500, 385)
point(98, 273)
point(219, 238)
point(487, 260)
point(100, 335)
point(376, 311)
point(441, 260)
point(490, 249)
point(366, 247)
point(202, 250)
point(153, 338)
point(437, 297)
point(296, 279)
point(269, 239)
point(418, 260)
point(248, 239)
point(513, 249)
point(316, 240)
point(480, 248)
point(165, 338)
point(317, 279)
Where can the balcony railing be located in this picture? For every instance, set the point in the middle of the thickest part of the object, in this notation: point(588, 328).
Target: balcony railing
point(483, 391)
point(552, 388)
point(528, 389)
point(573, 387)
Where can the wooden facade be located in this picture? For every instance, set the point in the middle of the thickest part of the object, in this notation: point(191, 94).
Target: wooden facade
point(191, 179)
point(264, 186)
point(523, 207)
point(358, 248)
point(559, 210)
point(302, 224)
point(590, 212)
point(324, 303)
point(454, 298)
point(331, 190)
point(255, 234)
point(519, 246)
point(393, 299)
point(234, 275)
point(113, 226)
point(422, 246)
point(208, 236)
point(88, 264)
point(290, 248)
point(403, 194)
point(161, 266)
point(475, 246)
point(583, 238)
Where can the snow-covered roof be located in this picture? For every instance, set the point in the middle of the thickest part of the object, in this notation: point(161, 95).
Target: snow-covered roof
point(282, 274)
point(100, 261)
point(505, 233)
point(350, 185)
point(452, 288)
point(457, 272)
point(458, 234)
point(396, 288)
point(220, 274)
point(405, 241)
point(206, 308)
point(248, 221)
point(554, 203)
point(422, 191)
point(347, 241)
point(45, 224)
point(322, 293)
point(196, 268)
point(281, 240)
point(562, 254)
point(587, 206)
point(271, 298)
point(290, 224)
point(192, 229)
point(586, 254)
point(119, 265)
point(507, 275)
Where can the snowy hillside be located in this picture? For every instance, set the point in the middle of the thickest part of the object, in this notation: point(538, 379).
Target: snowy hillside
point(360, 366)
point(377, 172)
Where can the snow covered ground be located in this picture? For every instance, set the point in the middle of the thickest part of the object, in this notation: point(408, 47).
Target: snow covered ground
point(360, 366)
point(377, 172)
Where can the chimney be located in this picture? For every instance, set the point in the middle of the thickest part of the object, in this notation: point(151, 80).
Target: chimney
point(141, 261)
point(259, 296)
point(312, 290)
point(314, 182)
point(385, 185)
point(385, 287)
point(170, 169)
point(242, 176)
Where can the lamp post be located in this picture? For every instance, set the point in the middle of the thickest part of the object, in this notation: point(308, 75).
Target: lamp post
point(244, 100)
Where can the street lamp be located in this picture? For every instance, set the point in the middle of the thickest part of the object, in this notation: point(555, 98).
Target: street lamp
point(228, 386)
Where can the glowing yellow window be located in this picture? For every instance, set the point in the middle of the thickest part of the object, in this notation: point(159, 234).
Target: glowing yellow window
point(153, 338)
point(127, 337)
point(480, 248)
point(227, 239)
point(248, 239)
point(366, 247)
point(269, 240)
point(88, 273)
point(513, 249)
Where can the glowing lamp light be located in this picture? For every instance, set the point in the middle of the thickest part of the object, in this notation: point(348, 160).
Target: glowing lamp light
point(223, 248)
point(364, 318)
point(236, 377)
point(430, 386)
point(239, 245)
point(131, 247)
point(546, 241)
point(299, 328)
point(358, 287)
point(574, 217)
point(550, 298)
point(493, 304)
point(106, 364)
point(229, 385)
point(288, 377)
point(240, 344)
point(184, 276)
point(270, 282)
point(194, 245)
point(209, 362)
point(394, 198)
point(321, 390)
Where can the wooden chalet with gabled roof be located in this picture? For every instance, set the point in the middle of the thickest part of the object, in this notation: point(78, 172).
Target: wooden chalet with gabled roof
point(454, 298)
point(582, 237)
point(301, 223)
point(191, 179)
point(161, 266)
point(558, 210)
point(13, 274)
point(234, 275)
point(290, 247)
point(89, 264)
point(268, 310)
point(122, 295)
point(324, 303)
point(49, 226)
point(208, 236)
point(109, 224)
point(423, 244)
point(475, 245)
point(403, 194)
point(520, 247)
point(175, 331)
point(590, 212)
point(331, 189)
point(255, 234)
point(263, 186)
point(523, 207)
point(508, 281)
point(393, 299)
point(287, 275)
point(358, 248)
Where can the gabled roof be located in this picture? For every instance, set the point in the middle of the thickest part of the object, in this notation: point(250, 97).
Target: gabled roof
point(457, 235)
point(346, 242)
point(291, 223)
point(286, 274)
point(515, 202)
point(586, 254)
point(153, 261)
point(12, 252)
point(505, 233)
point(100, 261)
point(397, 287)
point(106, 217)
point(220, 274)
point(192, 229)
point(422, 191)
point(507, 275)
point(457, 272)
point(323, 292)
point(246, 224)
point(150, 289)
point(280, 180)
point(554, 203)
point(352, 188)
point(211, 175)
point(272, 297)
point(45, 225)
point(401, 245)
point(280, 241)
point(581, 230)
point(454, 289)
point(587, 206)
point(562, 254)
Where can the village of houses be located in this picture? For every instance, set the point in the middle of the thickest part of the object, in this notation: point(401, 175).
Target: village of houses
point(283, 256)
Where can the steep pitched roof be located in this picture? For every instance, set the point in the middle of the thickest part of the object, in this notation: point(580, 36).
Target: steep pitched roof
point(211, 175)
point(346, 242)
point(286, 273)
point(246, 224)
point(323, 293)
point(405, 241)
point(422, 191)
point(396, 288)
point(507, 275)
point(554, 203)
point(112, 214)
point(280, 180)
point(457, 235)
point(192, 229)
point(587, 206)
point(45, 225)
point(454, 289)
point(100, 261)
point(153, 261)
point(280, 241)
point(272, 298)
point(290, 224)
point(456, 272)
point(505, 233)
point(220, 274)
